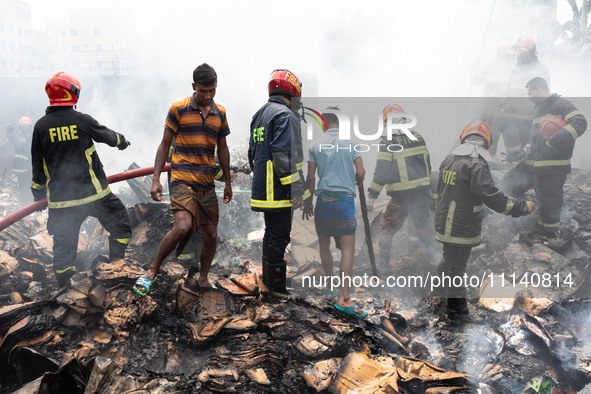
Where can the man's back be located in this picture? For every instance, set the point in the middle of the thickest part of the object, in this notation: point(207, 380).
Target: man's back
point(334, 160)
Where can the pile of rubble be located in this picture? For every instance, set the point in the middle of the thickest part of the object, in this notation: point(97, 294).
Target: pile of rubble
point(100, 337)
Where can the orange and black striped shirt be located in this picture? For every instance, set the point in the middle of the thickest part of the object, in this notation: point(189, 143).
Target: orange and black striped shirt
point(193, 159)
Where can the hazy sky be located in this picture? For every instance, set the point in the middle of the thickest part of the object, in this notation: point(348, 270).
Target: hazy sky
point(349, 48)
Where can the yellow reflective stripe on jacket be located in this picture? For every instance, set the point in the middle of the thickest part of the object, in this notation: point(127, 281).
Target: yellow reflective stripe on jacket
point(447, 237)
point(299, 165)
point(269, 181)
point(307, 194)
point(270, 201)
point(572, 131)
point(417, 150)
point(477, 208)
point(376, 187)
point(20, 170)
point(550, 163)
point(509, 206)
point(393, 187)
point(514, 115)
point(289, 179)
point(513, 148)
point(387, 156)
point(571, 114)
point(219, 175)
point(97, 184)
point(17, 156)
point(457, 240)
point(37, 186)
point(82, 201)
point(270, 204)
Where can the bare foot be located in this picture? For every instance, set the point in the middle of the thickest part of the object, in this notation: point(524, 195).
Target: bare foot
point(204, 283)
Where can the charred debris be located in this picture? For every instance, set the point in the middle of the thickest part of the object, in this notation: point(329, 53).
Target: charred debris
point(100, 337)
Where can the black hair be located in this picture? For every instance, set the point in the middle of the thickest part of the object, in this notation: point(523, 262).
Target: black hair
point(330, 117)
point(205, 75)
point(538, 83)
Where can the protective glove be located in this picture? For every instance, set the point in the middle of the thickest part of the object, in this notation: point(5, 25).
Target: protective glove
point(123, 143)
point(369, 202)
point(531, 206)
point(308, 210)
point(516, 157)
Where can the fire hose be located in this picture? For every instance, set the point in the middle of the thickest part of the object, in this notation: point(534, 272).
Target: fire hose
point(42, 204)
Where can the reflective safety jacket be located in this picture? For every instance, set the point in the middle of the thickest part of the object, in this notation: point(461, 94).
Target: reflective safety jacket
point(402, 165)
point(551, 155)
point(64, 157)
point(465, 184)
point(517, 111)
point(275, 155)
point(21, 141)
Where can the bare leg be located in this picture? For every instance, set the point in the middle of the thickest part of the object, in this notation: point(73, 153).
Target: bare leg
point(325, 254)
point(210, 237)
point(183, 222)
point(347, 252)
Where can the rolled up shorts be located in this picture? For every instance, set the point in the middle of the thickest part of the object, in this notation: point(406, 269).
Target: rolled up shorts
point(201, 204)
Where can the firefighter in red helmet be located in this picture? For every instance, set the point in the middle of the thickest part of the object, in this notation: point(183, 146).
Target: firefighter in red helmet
point(68, 171)
point(275, 156)
point(465, 186)
point(556, 126)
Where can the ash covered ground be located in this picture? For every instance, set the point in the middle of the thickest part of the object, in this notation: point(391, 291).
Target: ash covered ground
point(100, 337)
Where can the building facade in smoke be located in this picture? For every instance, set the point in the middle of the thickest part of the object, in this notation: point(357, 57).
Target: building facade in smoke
point(87, 43)
point(16, 37)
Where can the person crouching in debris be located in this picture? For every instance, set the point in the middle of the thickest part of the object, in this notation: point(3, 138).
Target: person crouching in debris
point(556, 125)
point(275, 155)
point(404, 167)
point(67, 169)
point(465, 184)
point(339, 169)
point(198, 125)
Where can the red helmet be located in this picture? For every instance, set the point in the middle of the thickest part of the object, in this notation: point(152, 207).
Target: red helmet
point(285, 82)
point(391, 108)
point(25, 121)
point(63, 89)
point(526, 44)
point(477, 128)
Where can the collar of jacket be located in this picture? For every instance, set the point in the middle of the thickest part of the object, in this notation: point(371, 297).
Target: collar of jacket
point(277, 99)
point(549, 102)
point(472, 151)
point(55, 108)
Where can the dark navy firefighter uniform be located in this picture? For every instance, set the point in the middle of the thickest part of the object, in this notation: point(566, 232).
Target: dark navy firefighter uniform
point(275, 155)
point(67, 169)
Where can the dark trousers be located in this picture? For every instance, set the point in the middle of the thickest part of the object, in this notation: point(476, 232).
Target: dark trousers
point(415, 205)
point(454, 262)
point(277, 235)
point(64, 225)
point(548, 189)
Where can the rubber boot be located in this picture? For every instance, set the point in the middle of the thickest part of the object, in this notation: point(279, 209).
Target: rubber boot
point(265, 268)
point(116, 250)
point(63, 278)
point(457, 310)
point(275, 278)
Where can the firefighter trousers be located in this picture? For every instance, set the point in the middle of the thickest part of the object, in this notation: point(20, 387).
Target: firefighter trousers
point(398, 209)
point(64, 225)
point(549, 194)
point(453, 265)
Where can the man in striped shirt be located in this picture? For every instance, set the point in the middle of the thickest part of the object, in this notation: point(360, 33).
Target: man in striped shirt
point(198, 126)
